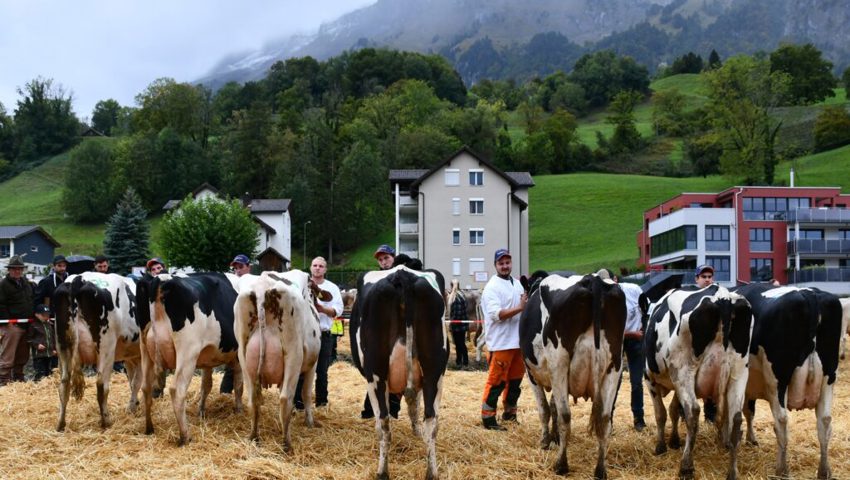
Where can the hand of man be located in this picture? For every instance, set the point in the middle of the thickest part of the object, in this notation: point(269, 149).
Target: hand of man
point(41, 348)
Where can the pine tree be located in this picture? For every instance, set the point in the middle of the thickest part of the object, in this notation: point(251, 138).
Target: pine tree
point(127, 234)
point(714, 60)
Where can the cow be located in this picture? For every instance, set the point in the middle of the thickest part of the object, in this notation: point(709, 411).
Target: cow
point(571, 336)
point(399, 344)
point(793, 361)
point(697, 346)
point(845, 325)
point(277, 329)
point(95, 325)
point(186, 322)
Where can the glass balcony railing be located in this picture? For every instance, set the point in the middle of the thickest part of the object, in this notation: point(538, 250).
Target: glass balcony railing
point(821, 274)
point(827, 247)
point(408, 228)
point(819, 215)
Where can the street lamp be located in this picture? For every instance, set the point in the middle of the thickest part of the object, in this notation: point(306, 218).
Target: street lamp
point(304, 251)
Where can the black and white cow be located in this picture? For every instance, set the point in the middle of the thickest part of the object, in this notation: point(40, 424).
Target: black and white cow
point(845, 325)
point(95, 325)
point(697, 345)
point(277, 329)
point(399, 344)
point(571, 335)
point(186, 322)
point(793, 361)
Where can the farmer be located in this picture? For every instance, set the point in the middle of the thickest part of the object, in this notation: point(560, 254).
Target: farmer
point(16, 302)
point(42, 340)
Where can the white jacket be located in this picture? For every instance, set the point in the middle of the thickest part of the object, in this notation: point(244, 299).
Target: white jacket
point(500, 294)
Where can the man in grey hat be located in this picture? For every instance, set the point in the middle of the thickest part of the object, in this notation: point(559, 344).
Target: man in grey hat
point(16, 303)
point(48, 284)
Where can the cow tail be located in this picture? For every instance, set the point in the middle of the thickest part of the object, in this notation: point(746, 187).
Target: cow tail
point(597, 423)
point(78, 381)
point(407, 312)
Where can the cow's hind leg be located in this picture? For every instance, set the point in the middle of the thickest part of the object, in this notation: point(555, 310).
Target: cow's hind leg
point(379, 399)
point(545, 414)
point(179, 387)
point(602, 414)
point(287, 401)
point(690, 408)
point(148, 379)
point(675, 414)
point(238, 386)
point(307, 394)
point(134, 376)
point(431, 392)
point(206, 387)
point(749, 412)
point(560, 397)
point(823, 411)
point(780, 428)
point(104, 377)
point(64, 386)
point(411, 397)
point(660, 416)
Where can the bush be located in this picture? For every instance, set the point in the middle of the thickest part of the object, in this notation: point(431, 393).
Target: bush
point(832, 128)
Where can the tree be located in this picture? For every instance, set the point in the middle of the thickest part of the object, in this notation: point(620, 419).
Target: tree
point(602, 75)
point(668, 112)
point(742, 96)
point(88, 196)
point(811, 76)
point(713, 60)
point(704, 152)
point(7, 136)
point(832, 128)
point(45, 124)
point(127, 235)
point(626, 138)
point(246, 166)
point(561, 129)
point(845, 79)
point(105, 116)
point(204, 234)
point(166, 103)
point(688, 63)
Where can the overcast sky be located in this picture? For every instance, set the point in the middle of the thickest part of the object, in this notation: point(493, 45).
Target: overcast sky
point(113, 49)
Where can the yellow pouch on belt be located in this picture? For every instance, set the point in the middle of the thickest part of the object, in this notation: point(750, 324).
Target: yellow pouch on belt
point(336, 327)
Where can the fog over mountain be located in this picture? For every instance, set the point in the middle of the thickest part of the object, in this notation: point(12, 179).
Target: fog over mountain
point(497, 38)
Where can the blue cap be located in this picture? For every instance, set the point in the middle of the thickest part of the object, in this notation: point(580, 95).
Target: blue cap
point(703, 268)
point(384, 249)
point(241, 258)
point(42, 308)
point(502, 252)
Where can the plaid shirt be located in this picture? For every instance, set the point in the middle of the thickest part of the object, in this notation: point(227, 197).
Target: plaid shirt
point(458, 312)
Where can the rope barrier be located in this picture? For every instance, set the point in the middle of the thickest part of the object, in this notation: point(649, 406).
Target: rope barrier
point(12, 321)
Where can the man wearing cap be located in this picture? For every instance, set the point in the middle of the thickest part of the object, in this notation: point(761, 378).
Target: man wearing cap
point(101, 264)
point(385, 255)
point(155, 266)
point(704, 276)
point(16, 302)
point(48, 284)
point(42, 340)
point(328, 310)
point(502, 301)
point(241, 265)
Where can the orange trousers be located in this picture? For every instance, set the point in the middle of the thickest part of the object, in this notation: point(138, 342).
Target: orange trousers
point(503, 379)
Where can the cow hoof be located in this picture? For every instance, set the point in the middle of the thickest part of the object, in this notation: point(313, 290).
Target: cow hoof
point(824, 474)
point(382, 476)
point(287, 447)
point(60, 427)
point(660, 448)
point(753, 442)
point(184, 441)
point(561, 467)
point(149, 430)
point(675, 443)
point(600, 473)
point(686, 473)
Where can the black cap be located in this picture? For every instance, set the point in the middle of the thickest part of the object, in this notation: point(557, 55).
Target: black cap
point(59, 259)
point(42, 308)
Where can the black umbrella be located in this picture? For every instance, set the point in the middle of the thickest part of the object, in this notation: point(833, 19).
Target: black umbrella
point(79, 264)
point(659, 283)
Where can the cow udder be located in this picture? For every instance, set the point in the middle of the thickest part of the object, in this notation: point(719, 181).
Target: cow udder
point(85, 345)
point(397, 377)
point(271, 370)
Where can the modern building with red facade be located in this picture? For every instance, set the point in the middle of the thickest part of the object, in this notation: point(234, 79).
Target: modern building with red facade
point(796, 235)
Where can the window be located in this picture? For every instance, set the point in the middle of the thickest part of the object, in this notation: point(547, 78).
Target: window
point(33, 249)
point(476, 265)
point(761, 239)
point(452, 177)
point(476, 177)
point(717, 238)
point(455, 206)
point(5, 250)
point(476, 236)
point(761, 269)
point(476, 206)
point(842, 235)
point(771, 208)
point(810, 234)
point(682, 238)
point(455, 236)
point(455, 267)
point(721, 265)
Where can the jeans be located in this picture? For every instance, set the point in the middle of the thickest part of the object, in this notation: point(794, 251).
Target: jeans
point(322, 365)
point(634, 354)
point(462, 356)
point(44, 366)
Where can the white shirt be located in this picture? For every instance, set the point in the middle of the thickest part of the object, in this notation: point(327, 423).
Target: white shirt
point(335, 303)
point(500, 294)
point(633, 313)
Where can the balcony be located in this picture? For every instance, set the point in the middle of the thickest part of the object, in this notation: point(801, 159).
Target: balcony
point(408, 229)
point(819, 247)
point(837, 216)
point(819, 274)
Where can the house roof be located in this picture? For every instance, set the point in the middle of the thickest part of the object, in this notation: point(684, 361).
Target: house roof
point(417, 176)
point(269, 205)
point(271, 251)
point(265, 225)
point(11, 232)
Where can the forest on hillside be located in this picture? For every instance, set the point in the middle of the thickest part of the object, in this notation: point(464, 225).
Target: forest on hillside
point(325, 134)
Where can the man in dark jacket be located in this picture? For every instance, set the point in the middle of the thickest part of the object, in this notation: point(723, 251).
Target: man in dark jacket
point(42, 340)
point(16, 303)
point(48, 284)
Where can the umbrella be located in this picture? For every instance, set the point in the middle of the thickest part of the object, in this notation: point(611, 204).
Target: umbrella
point(79, 264)
point(659, 283)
